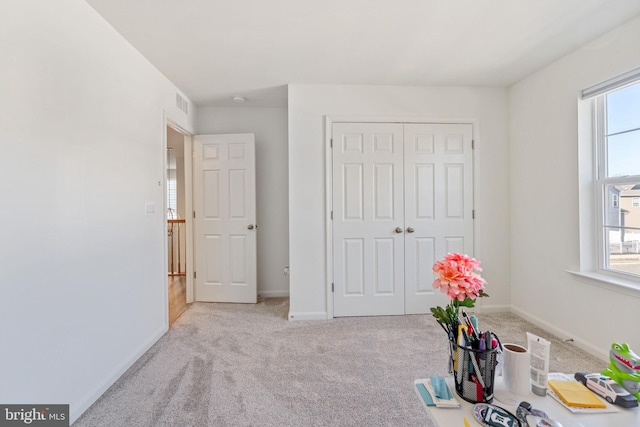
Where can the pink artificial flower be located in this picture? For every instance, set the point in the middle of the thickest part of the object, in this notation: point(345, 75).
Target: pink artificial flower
point(456, 276)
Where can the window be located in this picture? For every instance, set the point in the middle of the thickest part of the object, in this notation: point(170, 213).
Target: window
point(172, 203)
point(617, 151)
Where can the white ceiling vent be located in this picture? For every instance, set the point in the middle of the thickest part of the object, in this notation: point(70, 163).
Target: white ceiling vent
point(182, 104)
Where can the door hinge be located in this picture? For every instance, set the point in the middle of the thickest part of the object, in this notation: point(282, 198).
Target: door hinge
point(194, 274)
point(331, 215)
point(473, 144)
point(473, 214)
point(194, 214)
point(331, 143)
point(332, 288)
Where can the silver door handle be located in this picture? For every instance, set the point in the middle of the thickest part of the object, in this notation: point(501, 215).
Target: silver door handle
point(410, 230)
point(398, 230)
point(250, 226)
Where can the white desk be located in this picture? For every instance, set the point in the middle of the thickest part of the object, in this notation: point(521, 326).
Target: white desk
point(447, 417)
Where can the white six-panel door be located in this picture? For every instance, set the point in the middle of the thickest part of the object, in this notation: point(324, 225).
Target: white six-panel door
point(438, 197)
point(225, 223)
point(402, 198)
point(367, 212)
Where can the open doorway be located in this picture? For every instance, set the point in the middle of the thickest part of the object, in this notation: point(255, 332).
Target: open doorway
point(178, 202)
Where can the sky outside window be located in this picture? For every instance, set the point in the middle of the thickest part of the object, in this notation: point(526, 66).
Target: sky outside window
point(623, 115)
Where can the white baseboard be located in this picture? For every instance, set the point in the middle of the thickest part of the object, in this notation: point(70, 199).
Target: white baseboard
point(562, 334)
point(76, 410)
point(491, 309)
point(274, 294)
point(320, 315)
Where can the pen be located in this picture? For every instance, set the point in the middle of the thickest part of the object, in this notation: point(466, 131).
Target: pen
point(452, 341)
point(472, 331)
point(487, 340)
point(482, 346)
point(478, 375)
point(467, 338)
point(461, 343)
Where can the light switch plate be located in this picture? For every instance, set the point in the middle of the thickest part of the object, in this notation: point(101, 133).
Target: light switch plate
point(149, 208)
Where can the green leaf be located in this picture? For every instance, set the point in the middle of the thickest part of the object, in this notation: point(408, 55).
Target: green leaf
point(440, 314)
point(468, 302)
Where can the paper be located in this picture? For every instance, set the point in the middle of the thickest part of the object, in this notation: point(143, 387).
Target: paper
point(440, 388)
point(427, 395)
point(574, 393)
point(424, 395)
point(557, 376)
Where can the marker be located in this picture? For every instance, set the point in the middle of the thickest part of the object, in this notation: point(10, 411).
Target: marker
point(474, 323)
point(479, 389)
point(482, 347)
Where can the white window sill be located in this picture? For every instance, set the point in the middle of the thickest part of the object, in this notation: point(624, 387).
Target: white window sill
point(610, 282)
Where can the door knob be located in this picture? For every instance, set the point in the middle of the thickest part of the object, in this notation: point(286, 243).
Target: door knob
point(250, 226)
point(398, 230)
point(410, 230)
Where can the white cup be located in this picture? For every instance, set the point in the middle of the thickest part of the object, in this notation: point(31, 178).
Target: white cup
point(515, 372)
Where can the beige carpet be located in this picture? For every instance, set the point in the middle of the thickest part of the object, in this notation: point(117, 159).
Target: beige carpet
point(247, 365)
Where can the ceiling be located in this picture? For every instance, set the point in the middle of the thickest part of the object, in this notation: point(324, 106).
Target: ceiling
point(216, 49)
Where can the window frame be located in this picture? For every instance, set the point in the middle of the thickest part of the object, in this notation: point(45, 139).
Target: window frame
point(601, 183)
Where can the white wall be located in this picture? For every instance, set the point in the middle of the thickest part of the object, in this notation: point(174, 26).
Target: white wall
point(270, 128)
point(544, 198)
point(83, 289)
point(308, 106)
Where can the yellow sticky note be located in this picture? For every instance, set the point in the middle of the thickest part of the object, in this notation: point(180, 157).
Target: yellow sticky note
point(574, 393)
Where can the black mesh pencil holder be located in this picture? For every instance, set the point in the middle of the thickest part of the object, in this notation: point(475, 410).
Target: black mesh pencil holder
point(474, 371)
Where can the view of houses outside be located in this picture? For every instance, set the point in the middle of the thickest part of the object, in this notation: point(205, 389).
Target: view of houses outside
point(624, 243)
point(622, 211)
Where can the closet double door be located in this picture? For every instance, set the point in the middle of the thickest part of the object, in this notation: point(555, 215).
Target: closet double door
point(402, 199)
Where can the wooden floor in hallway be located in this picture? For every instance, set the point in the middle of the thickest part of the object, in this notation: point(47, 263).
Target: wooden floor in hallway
point(177, 297)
